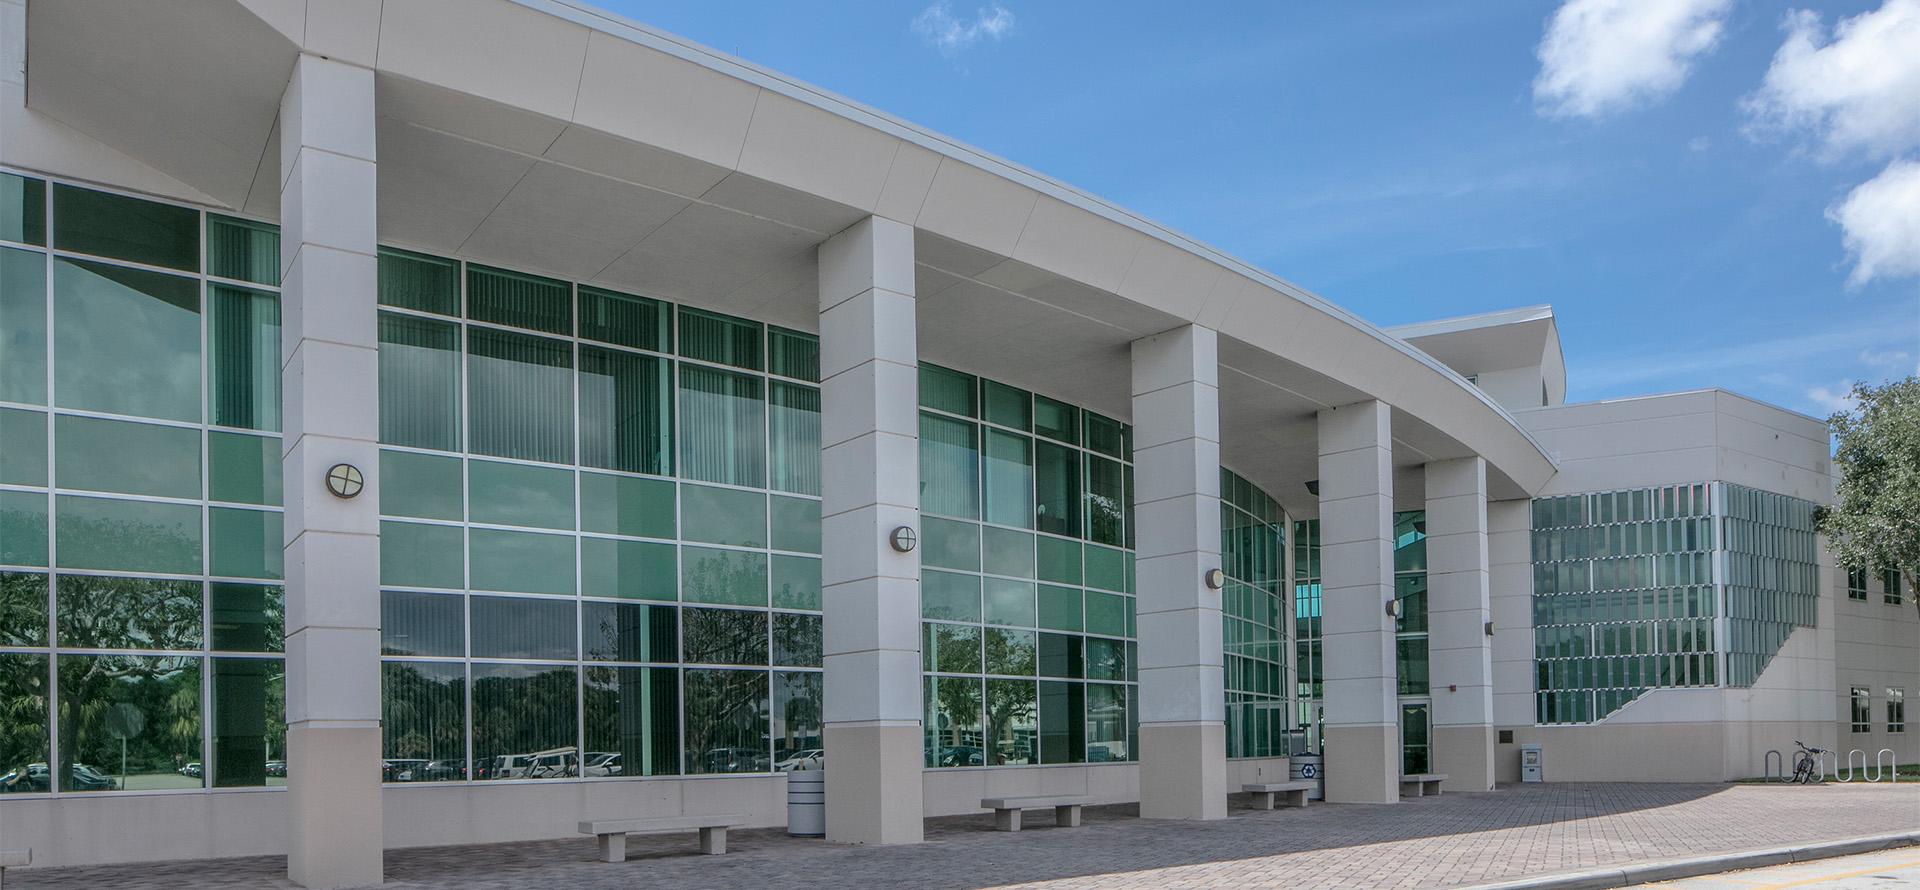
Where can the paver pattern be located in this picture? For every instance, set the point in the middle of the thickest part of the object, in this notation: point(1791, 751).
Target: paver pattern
point(1449, 841)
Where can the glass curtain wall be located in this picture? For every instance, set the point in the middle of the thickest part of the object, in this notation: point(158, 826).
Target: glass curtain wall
point(600, 531)
point(1773, 575)
point(1027, 577)
point(141, 617)
point(1309, 690)
point(1253, 550)
point(1623, 598)
point(1410, 637)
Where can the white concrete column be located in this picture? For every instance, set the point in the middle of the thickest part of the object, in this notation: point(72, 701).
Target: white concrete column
point(870, 458)
point(1459, 651)
point(1361, 733)
point(1510, 573)
point(1176, 460)
point(332, 415)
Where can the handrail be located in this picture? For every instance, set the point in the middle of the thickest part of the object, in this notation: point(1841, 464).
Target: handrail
point(1767, 766)
point(1893, 765)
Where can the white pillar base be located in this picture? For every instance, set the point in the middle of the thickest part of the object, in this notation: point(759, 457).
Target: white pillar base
point(873, 783)
point(1183, 771)
point(1363, 764)
point(1465, 755)
point(341, 845)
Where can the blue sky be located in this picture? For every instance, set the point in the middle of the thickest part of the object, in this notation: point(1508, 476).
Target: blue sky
point(1676, 183)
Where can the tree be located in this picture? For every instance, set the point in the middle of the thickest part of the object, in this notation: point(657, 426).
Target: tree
point(1875, 523)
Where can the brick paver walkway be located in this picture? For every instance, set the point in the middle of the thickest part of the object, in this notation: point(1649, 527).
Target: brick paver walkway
point(1453, 840)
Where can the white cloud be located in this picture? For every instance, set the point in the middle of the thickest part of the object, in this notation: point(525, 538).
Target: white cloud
point(1880, 224)
point(1890, 358)
point(1832, 399)
point(950, 34)
point(1601, 56)
point(1858, 91)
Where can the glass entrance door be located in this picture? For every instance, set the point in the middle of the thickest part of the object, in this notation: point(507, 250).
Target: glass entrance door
point(1414, 747)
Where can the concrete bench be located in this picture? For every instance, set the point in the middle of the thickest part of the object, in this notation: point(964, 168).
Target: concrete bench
point(13, 859)
point(612, 833)
point(1264, 793)
point(1006, 810)
point(1421, 784)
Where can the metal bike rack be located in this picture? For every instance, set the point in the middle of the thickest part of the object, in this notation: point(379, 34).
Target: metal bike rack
point(1769, 762)
point(1850, 771)
point(1893, 765)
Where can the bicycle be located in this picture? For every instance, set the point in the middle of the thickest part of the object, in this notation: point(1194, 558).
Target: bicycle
point(1806, 767)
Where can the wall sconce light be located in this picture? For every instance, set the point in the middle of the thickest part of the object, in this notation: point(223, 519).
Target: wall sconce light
point(1313, 487)
point(345, 481)
point(1393, 608)
point(903, 539)
point(1215, 579)
point(1489, 628)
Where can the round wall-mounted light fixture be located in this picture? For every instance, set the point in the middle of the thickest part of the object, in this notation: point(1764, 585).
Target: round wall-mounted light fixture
point(1215, 579)
point(1393, 608)
point(345, 481)
point(903, 539)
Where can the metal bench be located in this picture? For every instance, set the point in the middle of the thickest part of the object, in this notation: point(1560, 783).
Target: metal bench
point(1006, 810)
point(612, 833)
point(1264, 793)
point(1421, 784)
point(14, 859)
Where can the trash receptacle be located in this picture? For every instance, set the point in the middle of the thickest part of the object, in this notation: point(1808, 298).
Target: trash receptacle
point(1309, 768)
point(1533, 764)
point(807, 803)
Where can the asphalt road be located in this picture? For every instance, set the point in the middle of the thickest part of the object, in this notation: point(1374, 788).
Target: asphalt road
point(1868, 871)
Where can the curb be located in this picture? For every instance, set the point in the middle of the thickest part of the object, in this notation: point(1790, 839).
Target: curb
point(1673, 869)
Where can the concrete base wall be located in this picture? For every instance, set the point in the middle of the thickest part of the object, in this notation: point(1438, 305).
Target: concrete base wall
point(871, 800)
point(1465, 755)
point(1188, 780)
point(1363, 764)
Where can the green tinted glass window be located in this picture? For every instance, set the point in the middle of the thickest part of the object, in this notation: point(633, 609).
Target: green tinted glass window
point(726, 577)
point(1008, 552)
point(723, 636)
point(793, 415)
point(796, 582)
point(247, 617)
point(23, 447)
point(796, 524)
point(625, 505)
point(23, 609)
point(243, 250)
point(796, 640)
point(1106, 614)
point(522, 627)
point(950, 648)
point(133, 536)
point(98, 693)
point(123, 228)
point(1010, 602)
point(422, 624)
point(23, 209)
point(248, 721)
point(626, 411)
point(950, 544)
point(521, 562)
point(1056, 420)
point(23, 685)
point(629, 632)
point(634, 712)
point(23, 316)
point(243, 357)
point(127, 341)
point(1060, 608)
point(1057, 486)
point(423, 714)
point(628, 569)
point(243, 469)
point(1106, 568)
point(949, 467)
point(726, 721)
point(1059, 560)
point(420, 485)
point(517, 494)
point(1062, 655)
point(721, 339)
point(723, 422)
point(245, 543)
point(1063, 729)
point(1010, 652)
point(1005, 405)
point(625, 320)
point(520, 708)
point(1009, 484)
point(127, 613)
point(93, 455)
point(23, 528)
point(949, 596)
point(519, 396)
point(793, 354)
point(1103, 435)
point(416, 281)
point(723, 516)
point(944, 389)
point(1106, 501)
point(419, 382)
point(415, 555)
point(519, 300)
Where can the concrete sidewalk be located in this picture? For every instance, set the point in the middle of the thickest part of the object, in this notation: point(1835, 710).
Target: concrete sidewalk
point(1450, 841)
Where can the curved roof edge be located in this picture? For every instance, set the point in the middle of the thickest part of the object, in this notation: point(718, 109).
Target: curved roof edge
point(679, 47)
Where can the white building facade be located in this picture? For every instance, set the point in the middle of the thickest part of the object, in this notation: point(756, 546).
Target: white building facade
point(443, 421)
